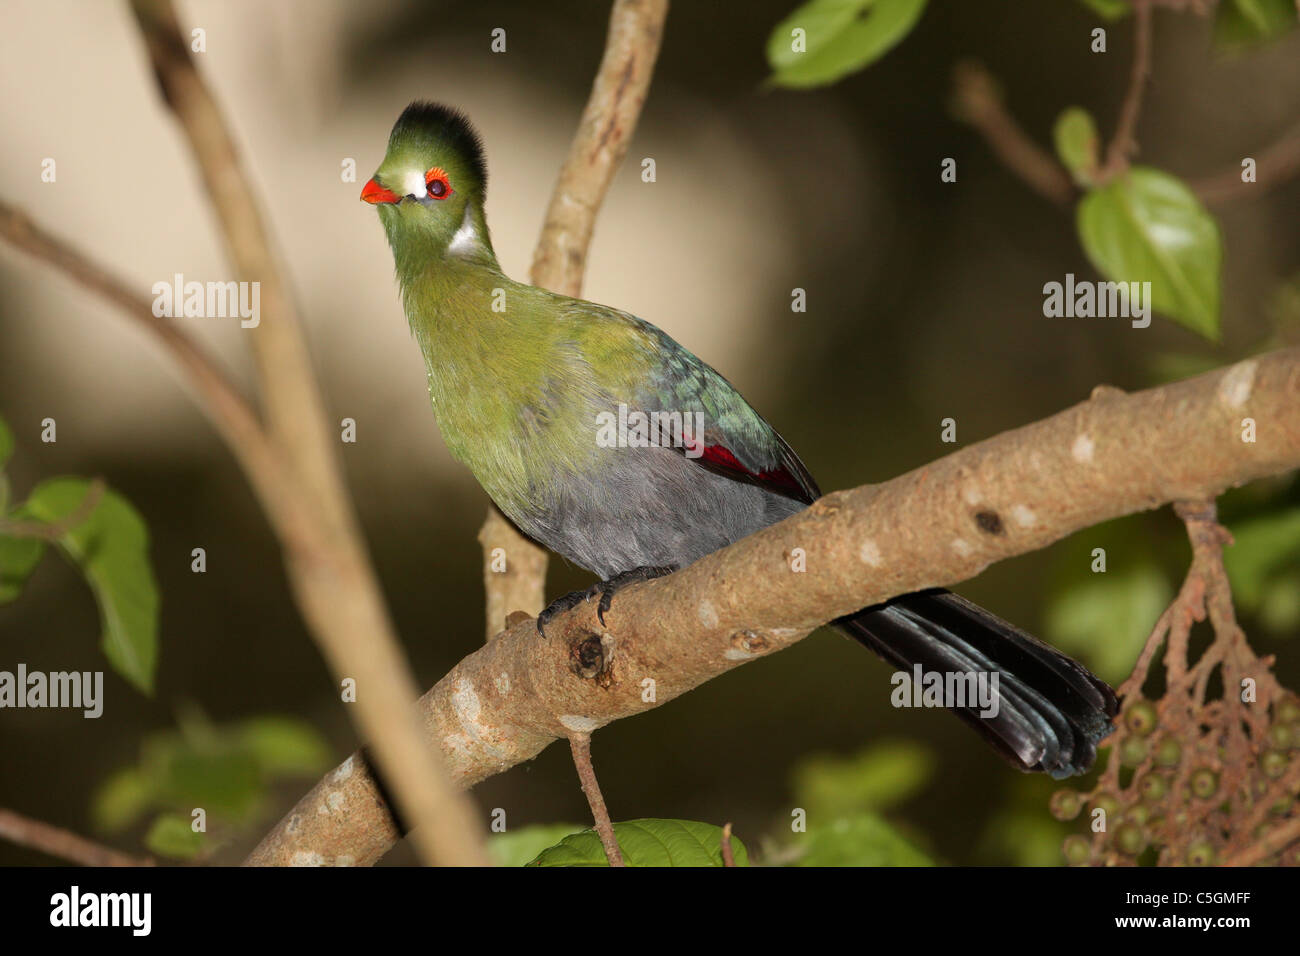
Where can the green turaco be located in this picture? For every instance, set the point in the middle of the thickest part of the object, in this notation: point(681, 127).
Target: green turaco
point(609, 443)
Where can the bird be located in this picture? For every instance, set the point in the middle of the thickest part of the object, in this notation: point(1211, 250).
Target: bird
point(610, 444)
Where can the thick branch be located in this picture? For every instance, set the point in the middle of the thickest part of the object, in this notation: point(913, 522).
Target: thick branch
point(1113, 455)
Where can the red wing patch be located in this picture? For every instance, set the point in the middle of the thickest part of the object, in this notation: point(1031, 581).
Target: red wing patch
point(778, 479)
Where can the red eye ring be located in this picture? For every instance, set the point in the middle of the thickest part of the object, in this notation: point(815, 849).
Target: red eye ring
point(437, 183)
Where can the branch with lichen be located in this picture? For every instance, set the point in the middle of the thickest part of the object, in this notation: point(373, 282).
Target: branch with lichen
point(1113, 455)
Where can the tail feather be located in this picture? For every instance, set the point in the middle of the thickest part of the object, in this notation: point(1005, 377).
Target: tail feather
point(1051, 711)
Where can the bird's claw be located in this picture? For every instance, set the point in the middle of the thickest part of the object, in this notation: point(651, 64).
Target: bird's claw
point(606, 591)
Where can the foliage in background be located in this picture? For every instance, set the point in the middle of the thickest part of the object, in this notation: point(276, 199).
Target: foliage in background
point(104, 537)
point(1135, 224)
point(227, 771)
point(842, 801)
point(825, 40)
point(647, 843)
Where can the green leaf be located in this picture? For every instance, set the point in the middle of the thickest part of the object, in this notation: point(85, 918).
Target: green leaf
point(171, 835)
point(861, 840)
point(1108, 9)
point(111, 548)
point(284, 745)
point(18, 556)
point(876, 778)
point(1107, 617)
point(1075, 135)
point(647, 843)
point(1239, 24)
point(838, 38)
point(223, 779)
point(1261, 547)
point(519, 847)
point(1175, 366)
point(6, 443)
point(1147, 226)
point(121, 800)
point(1279, 606)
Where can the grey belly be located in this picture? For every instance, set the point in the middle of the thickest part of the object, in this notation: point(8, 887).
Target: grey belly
point(648, 507)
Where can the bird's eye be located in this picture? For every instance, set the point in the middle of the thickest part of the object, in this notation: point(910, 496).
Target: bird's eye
point(436, 182)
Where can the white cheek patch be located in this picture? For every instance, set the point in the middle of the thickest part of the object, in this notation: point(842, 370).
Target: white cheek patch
point(413, 185)
point(466, 238)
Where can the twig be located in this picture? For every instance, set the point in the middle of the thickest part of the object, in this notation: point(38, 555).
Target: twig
point(514, 572)
point(1124, 145)
point(1113, 455)
point(1274, 165)
point(977, 101)
point(728, 854)
point(580, 745)
point(228, 410)
point(1269, 844)
point(53, 531)
point(61, 843)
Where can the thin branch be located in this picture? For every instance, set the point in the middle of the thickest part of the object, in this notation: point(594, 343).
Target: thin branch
point(580, 745)
point(1124, 143)
point(61, 843)
point(1110, 456)
point(559, 261)
point(1274, 165)
point(728, 854)
point(514, 572)
point(53, 531)
point(1267, 845)
point(977, 101)
point(217, 396)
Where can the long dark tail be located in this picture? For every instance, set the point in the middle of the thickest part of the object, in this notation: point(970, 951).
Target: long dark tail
point(1051, 712)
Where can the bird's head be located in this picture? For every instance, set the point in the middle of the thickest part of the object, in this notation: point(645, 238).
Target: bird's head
point(430, 188)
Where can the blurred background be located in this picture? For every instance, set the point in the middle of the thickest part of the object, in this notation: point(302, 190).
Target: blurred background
point(924, 302)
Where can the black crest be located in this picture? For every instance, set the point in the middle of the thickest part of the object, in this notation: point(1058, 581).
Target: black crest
point(427, 122)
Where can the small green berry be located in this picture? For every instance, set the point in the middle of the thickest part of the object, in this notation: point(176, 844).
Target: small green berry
point(1077, 849)
point(1106, 801)
point(1273, 763)
point(1133, 751)
point(1279, 736)
point(1204, 783)
point(1169, 752)
point(1201, 853)
point(1130, 839)
point(1065, 804)
point(1153, 787)
point(1140, 718)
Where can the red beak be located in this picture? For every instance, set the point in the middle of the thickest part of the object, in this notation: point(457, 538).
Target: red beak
point(372, 192)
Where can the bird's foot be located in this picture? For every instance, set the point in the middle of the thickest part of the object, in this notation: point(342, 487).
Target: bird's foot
point(562, 604)
point(620, 581)
point(605, 590)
